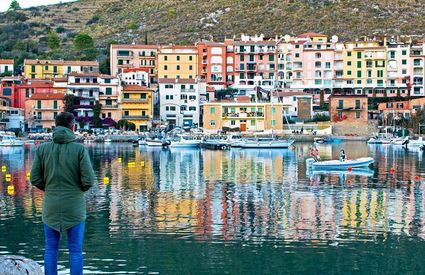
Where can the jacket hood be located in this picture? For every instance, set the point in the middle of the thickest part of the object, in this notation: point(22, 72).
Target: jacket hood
point(63, 135)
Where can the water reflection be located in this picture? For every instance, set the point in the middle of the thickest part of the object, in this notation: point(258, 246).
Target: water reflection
point(234, 196)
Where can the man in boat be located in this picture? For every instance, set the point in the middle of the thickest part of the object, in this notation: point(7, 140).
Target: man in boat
point(342, 156)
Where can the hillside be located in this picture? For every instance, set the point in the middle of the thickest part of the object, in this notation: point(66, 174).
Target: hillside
point(185, 21)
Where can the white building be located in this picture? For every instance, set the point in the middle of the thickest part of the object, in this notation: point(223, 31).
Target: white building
point(135, 76)
point(417, 68)
point(180, 101)
point(6, 65)
point(11, 118)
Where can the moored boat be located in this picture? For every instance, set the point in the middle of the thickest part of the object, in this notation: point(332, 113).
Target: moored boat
point(269, 143)
point(154, 142)
point(184, 142)
point(9, 140)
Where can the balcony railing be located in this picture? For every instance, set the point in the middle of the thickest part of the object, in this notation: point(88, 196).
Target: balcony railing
point(187, 90)
point(111, 106)
point(136, 117)
point(244, 115)
point(135, 100)
point(46, 109)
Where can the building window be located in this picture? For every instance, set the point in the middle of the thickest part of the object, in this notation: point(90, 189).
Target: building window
point(33, 68)
point(108, 91)
point(212, 122)
point(165, 58)
point(348, 72)
point(165, 67)
point(178, 58)
point(404, 52)
point(190, 67)
point(359, 54)
point(297, 55)
point(318, 55)
point(212, 110)
point(55, 104)
point(46, 68)
point(178, 67)
point(348, 53)
point(252, 122)
point(271, 57)
point(357, 114)
point(273, 122)
point(126, 95)
point(404, 61)
point(190, 58)
point(38, 104)
point(357, 104)
point(359, 64)
point(143, 96)
point(340, 115)
point(340, 104)
point(233, 122)
point(126, 113)
point(359, 73)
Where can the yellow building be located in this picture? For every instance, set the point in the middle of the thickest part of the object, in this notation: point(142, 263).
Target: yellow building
point(243, 116)
point(137, 106)
point(364, 66)
point(35, 68)
point(178, 62)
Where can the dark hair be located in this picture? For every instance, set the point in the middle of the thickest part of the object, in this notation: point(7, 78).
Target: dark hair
point(65, 119)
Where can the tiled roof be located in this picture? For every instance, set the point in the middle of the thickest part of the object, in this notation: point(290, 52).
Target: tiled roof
point(60, 62)
point(136, 88)
point(135, 46)
point(6, 61)
point(130, 70)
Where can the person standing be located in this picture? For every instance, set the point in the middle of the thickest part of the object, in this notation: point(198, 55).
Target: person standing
point(62, 169)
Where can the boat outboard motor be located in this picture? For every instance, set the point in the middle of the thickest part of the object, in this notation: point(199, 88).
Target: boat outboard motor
point(405, 141)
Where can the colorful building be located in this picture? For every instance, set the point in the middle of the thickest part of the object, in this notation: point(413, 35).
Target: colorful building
point(216, 63)
point(135, 76)
point(41, 109)
point(180, 101)
point(417, 68)
point(137, 106)
point(349, 114)
point(10, 92)
point(6, 66)
point(178, 62)
point(35, 68)
point(243, 115)
point(134, 56)
point(109, 98)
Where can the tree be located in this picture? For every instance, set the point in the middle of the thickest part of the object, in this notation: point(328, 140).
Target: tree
point(53, 41)
point(97, 121)
point(14, 6)
point(125, 125)
point(69, 103)
point(83, 41)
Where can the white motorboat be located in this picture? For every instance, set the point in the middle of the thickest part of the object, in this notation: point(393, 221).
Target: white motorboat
point(9, 140)
point(142, 142)
point(269, 143)
point(154, 142)
point(416, 142)
point(400, 141)
point(184, 142)
point(355, 172)
point(337, 164)
point(379, 140)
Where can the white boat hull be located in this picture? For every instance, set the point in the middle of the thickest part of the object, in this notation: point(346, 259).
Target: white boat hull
point(154, 143)
point(274, 144)
point(185, 144)
point(337, 164)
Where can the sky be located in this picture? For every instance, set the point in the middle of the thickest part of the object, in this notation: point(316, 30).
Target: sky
point(4, 4)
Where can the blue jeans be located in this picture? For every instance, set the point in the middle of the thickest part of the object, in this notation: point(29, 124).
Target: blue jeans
point(75, 246)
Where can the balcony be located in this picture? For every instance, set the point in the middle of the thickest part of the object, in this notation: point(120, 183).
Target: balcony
point(136, 117)
point(188, 90)
point(111, 106)
point(135, 100)
point(244, 115)
point(47, 109)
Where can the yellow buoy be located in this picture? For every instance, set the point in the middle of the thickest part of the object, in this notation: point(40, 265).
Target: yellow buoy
point(105, 180)
point(3, 168)
point(8, 177)
point(28, 174)
point(11, 190)
point(119, 159)
point(131, 164)
point(142, 163)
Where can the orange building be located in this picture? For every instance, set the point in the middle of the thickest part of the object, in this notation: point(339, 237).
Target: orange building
point(349, 114)
point(41, 109)
point(216, 63)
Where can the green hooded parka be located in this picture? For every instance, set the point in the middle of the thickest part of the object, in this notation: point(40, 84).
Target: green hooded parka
point(62, 169)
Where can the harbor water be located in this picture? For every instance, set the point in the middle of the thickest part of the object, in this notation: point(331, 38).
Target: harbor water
point(239, 211)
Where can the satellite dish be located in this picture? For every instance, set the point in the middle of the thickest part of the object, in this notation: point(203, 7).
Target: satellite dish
point(287, 38)
point(334, 39)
